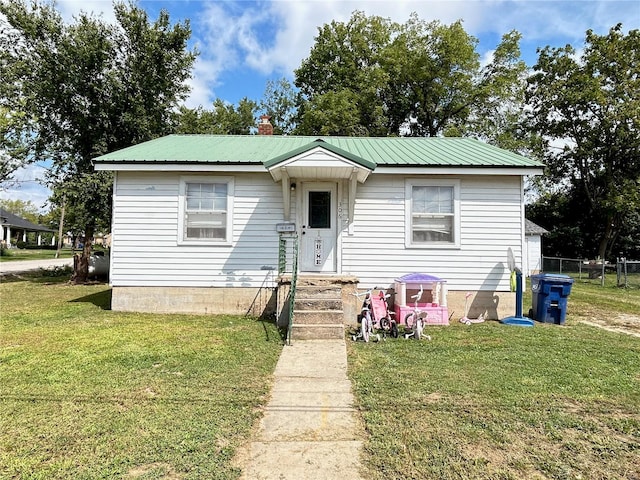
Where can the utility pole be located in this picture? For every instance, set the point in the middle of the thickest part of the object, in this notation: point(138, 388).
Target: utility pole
point(60, 229)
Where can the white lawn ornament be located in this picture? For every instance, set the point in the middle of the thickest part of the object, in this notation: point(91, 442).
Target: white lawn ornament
point(466, 320)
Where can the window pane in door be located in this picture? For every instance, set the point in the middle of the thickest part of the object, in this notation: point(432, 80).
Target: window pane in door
point(319, 210)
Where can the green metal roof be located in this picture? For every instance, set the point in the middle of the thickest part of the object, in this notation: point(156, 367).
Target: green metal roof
point(268, 150)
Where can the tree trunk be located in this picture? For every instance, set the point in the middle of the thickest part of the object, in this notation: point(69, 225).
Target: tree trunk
point(607, 239)
point(81, 262)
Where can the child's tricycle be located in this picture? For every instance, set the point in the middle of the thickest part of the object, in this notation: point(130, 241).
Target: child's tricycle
point(382, 316)
point(375, 315)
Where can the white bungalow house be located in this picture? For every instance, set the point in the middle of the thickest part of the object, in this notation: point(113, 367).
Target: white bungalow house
point(199, 220)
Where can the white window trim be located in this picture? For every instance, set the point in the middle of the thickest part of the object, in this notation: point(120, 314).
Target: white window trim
point(182, 209)
point(408, 231)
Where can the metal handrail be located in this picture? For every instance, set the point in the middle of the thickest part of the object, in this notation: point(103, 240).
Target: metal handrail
point(268, 277)
point(292, 291)
point(282, 255)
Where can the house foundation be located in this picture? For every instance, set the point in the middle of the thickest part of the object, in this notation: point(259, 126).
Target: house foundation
point(268, 302)
point(256, 302)
point(491, 305)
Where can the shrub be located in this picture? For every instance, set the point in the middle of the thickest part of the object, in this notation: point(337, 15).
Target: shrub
point(59, 271)
point(32, 246)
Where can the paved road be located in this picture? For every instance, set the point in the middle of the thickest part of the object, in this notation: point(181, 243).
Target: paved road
point(26, 265)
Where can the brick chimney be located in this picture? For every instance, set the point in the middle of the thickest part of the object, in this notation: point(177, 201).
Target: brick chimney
point(265, 127)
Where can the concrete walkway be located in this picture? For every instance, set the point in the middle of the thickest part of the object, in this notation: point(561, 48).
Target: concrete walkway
point(310, 429)
point(27, 265)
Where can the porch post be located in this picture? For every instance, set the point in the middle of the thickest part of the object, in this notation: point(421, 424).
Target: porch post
point(39, 239)
point(8, 236)
point(353, 185)
point(286, 195)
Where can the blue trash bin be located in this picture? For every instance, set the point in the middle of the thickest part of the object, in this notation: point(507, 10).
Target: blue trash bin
point(549, 297)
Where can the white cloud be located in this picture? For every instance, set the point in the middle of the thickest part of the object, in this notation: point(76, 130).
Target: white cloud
point(100, 8)
point(546, 21)
point(487, 58)
point(232, 38)
point(27, 187)
point(202, 83)
point(297, 22)
point(273, 37)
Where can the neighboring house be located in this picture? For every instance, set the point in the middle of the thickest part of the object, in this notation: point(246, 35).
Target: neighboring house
point(15, 229)
point(533, 247)
point(197, 219)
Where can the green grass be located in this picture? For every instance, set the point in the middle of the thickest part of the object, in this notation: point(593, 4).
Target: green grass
point(15, 254)
point(588, 298)
point(610, 280)
point(90, 393)
point(490, 401)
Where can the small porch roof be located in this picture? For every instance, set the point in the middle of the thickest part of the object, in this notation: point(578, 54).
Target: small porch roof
point(319, 160)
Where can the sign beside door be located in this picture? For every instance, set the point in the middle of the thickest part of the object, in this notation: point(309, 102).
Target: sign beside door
point(318, 227)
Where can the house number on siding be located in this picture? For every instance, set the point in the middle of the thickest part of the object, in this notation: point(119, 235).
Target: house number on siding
point(318, 252)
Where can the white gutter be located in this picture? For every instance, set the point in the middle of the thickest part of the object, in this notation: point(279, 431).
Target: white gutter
point(217, 167)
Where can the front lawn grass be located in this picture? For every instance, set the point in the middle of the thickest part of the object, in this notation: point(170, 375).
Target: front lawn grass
point(491, 401)
point(17, 254)
point(90, 393)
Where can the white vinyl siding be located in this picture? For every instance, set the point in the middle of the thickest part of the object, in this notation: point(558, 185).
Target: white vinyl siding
point(146, 226)
point(491, 216)
point(533, 254)
point(146, 250)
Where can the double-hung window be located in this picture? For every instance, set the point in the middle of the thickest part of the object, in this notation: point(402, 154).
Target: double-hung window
point(432, 213)
point(206, 213)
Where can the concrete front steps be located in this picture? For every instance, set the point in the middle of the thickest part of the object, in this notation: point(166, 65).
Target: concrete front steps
point(322, 307)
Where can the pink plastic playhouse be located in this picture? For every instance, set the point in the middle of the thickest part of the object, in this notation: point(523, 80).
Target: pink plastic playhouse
point(433, 302)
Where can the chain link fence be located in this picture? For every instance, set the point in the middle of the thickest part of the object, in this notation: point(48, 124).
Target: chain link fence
point(628, 273)
point(623, 273)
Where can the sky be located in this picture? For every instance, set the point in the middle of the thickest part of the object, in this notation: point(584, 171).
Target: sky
point(243, 44)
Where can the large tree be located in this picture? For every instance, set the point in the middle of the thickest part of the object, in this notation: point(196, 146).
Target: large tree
point(279, 102)
point(371, 76)
point(24, 209)
point(344, 73)
point(586, 106)
point(14, 128)
point(432, 70)
point(223, 119)
point(94, 87)
point(15, 124)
